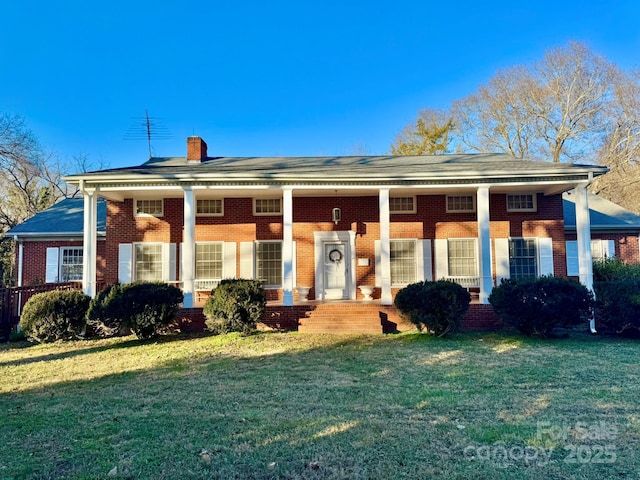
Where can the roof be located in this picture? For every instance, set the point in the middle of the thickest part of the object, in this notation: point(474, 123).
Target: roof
point(603, 214)
point(359, 168)
point(64, 219)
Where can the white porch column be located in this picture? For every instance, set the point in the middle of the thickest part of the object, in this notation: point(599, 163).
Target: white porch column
point(484, 244)
point(187, 257)
point(287, 246)
point(583, 233)
point(385, 248)
point(90, 243)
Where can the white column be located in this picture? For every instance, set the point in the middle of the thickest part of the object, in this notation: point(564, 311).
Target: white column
point(187, 256)
point(90, 243)
point(484, 244)
point(385, 248)
point(287, 246)
point(583, 233)
point(20, 259)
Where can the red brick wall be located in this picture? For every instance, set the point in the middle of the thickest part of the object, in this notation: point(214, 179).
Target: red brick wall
point(360, 214)
point(627, 245)
point(35, 255)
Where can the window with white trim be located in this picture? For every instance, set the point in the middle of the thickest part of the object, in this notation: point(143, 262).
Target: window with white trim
point(523, 258)
point(402, 255)
point(267, 206)
point(209, 261)
point(70, 264)
point(402, 205)
point(149, 208)
point(210, 207)
point(602, 249)
point(148, 262)
point(463, 260)
point(461, 203)
point(523, 202)
point(269, 263)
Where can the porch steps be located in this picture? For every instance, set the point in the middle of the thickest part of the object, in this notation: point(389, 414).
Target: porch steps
point(352, 317)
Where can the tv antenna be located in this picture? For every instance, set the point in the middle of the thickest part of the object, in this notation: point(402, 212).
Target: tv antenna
point(147, 127)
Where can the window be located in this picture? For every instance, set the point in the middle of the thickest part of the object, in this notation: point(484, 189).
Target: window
point(402, 205)
point(209, 261)
point(71, 264)
point(462, 257)
point(148, 262)
point(209, 207)
point(403, 261)
point(523, 258)
point(151, 208)
point(267, 206)
point(461, 203)
point(521, 203)
point(269, 263)
point(602, 249)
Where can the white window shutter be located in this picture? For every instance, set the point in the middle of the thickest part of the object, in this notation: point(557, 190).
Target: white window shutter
point(229, 260)
point(545, 252)
point(294, 267)
point(609, 248)
point(246, 260)
point(169, 262)
point(52, 265)
point(573, 265)
point(502, 259)
point(125, 262)
point(377, 268)
point(441, 247)
point(181, 266)
point(423, 261)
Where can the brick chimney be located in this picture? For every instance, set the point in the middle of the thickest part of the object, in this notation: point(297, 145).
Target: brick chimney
point(196, 149)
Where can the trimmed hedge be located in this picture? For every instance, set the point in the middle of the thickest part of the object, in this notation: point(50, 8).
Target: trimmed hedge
point(235, 305)
point(617, 288)
point(54, 315)
point(142, 307)
point(535, 306)
point(438, 307)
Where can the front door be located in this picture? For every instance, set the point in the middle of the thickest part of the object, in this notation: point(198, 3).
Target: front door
point(335, 271)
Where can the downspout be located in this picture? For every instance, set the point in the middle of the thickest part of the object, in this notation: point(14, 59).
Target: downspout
point(20, 274)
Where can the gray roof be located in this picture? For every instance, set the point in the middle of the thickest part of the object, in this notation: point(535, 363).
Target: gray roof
point(64, 219)
point(341, 168)
point(604, 215)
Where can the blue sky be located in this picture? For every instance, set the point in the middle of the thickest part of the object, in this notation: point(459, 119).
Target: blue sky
point(271, 78)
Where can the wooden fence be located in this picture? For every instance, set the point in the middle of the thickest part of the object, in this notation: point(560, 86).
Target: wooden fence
point(12, 301)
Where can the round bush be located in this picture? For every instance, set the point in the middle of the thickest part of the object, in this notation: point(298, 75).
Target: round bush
point(535, 306)
point(142, 307)
point(438, 307)
point(235, 305)
point(54, 315)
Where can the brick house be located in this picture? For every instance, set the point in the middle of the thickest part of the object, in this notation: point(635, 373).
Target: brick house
point(344, 229)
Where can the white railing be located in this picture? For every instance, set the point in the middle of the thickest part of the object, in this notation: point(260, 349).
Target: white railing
point(466, 282)
point(205, 284)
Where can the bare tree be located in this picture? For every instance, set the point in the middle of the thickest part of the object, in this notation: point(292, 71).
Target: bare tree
point(620, 149)
point(429, 135)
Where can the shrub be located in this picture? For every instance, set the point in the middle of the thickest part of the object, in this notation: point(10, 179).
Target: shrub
point(143, 307)
point(535, 306)
point(617, 288)
point(235, 305)
point(439, 307)
point(54, 315)
point(107, 312)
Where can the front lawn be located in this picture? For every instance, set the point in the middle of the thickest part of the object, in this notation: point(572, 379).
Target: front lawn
point(318, 406)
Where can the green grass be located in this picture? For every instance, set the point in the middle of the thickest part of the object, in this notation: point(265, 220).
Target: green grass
point(311, 406)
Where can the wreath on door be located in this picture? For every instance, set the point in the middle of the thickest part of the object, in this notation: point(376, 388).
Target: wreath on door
point(335, 255)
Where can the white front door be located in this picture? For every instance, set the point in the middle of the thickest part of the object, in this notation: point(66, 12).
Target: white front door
point(335, 270)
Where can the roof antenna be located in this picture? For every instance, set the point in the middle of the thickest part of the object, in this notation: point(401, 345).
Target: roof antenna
point(147, 127)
